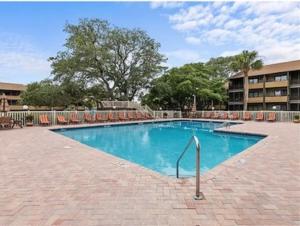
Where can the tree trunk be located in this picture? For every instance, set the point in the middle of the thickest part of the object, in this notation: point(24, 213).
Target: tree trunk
point(246, 90)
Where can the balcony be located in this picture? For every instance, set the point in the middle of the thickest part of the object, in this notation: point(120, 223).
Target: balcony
point(235, 102)
point(276, 99)
point(256, 85)
point(235, 89)
point(276, 84)
point(10, 97)
point(294, 99)
point(295, 84)
point(255, 99)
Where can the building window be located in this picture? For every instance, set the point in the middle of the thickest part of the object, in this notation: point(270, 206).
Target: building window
point(255, 93)
point(276, 107)
point(277, 77)
point(253, 80)
point(276, 92)
point(255, 107)
point(280, 78)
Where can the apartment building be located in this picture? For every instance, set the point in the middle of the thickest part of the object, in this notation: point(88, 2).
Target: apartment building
point(273, 87)
point(12, 92)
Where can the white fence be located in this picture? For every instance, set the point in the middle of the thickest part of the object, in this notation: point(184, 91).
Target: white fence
point(52, 115)
point(282, 116)
point(167, 114)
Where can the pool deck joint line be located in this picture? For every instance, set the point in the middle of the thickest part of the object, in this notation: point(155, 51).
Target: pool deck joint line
point(48, 179)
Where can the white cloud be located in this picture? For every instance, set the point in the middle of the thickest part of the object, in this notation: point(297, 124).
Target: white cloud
point(193, 40)
point(182, 56)
point(20, 60)
point(165, 4)
point(272, 28)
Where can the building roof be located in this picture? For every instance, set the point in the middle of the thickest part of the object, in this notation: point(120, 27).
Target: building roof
point(273, 68)
point(12, 86)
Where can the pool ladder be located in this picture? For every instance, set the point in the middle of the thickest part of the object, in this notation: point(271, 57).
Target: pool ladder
point(225, 124)
point(199, 195)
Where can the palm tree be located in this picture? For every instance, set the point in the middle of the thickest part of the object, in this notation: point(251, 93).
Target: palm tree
point(244, 62)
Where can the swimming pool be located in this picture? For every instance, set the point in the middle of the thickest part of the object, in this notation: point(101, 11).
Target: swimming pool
point(157, 146)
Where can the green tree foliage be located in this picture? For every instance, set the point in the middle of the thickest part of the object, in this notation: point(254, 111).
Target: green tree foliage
point(44, 93)
point(243, 63)
point(175, 89)
point(116, 62)
point(67, 94)
point(221, 66)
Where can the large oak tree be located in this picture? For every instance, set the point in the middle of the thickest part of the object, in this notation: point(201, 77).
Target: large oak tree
point(120, 61)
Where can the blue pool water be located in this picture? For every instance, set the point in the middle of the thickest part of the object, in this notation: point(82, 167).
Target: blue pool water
point(158, 145)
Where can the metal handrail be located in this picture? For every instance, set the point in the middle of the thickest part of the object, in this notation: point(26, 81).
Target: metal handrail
point(199, 194)
point(225, 124)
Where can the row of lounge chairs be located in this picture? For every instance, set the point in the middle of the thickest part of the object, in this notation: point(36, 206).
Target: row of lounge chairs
point(271, 116)
point(98, 117)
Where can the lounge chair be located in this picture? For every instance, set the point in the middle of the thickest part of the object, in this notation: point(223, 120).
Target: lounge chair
point(131, 116)
point(139, 116)
point(148, 116)
point(271, 117)
point(215, 115)
point(259, 116)
point(6, 122)
point(44, 121)
point(112, 117)
point(224, 116)
point(247, 116)
point(100, 118)
point(234, 116)
point(74, 119)
point(122, 116)
point(88, 118)
point(207, 114)
point(61, 120)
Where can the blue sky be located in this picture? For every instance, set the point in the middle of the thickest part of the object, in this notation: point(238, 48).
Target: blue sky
point(188, 32)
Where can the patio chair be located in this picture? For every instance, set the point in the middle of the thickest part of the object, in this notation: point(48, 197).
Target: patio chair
point(247, 116)
point(112, 117)
point(6, 122)
point(88, 118)
point(61, 120)
point(122, 116)
point(148, 116)
point(74, 119)
point(100, 117)
point(207, 115)
point(234, 116)
point(131, 116)
point(259, 116)
point(44, 121)
point(271, 117)
point(139, 116)
point(215, 115)
point(224, 116)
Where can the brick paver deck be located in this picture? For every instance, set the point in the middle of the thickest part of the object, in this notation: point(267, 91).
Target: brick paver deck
point(48, 179)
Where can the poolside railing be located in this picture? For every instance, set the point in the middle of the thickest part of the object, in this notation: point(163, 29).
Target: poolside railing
point(282, 116)
point(167, 114)
point(52, 115)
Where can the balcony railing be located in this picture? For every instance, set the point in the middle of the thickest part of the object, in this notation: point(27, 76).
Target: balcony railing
point(294, 97)
point(276, 99)
point(295, 82)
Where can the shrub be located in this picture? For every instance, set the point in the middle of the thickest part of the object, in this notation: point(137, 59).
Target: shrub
point(29, 118)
